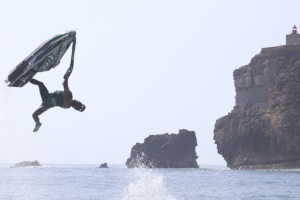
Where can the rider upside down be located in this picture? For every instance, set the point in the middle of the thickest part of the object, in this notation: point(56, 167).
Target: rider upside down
point(63, 99)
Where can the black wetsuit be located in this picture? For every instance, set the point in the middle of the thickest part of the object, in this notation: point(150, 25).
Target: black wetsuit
point(49, 100)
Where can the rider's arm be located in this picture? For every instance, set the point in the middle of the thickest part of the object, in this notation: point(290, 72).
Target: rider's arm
point(67, 94)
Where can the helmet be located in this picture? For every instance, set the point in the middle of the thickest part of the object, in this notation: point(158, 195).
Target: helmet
point(77, 105)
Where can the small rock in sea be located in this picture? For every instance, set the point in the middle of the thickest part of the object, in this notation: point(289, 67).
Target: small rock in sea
point(104, 165)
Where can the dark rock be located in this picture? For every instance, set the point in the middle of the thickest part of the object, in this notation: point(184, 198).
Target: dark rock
point(165, 151)
point(104, 165)
point(263, 129)
point(27, 164)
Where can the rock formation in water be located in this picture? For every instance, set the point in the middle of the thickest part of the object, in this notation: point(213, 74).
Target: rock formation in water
point(263, 129)
point(103, 165)
point(27, 164)
point(165, 151)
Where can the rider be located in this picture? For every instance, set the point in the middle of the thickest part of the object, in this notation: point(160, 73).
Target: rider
point(63, 99)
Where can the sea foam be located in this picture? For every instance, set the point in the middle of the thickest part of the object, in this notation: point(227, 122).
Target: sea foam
point(145, 184)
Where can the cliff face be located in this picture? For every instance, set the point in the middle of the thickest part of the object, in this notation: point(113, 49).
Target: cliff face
point(165, 151)
point(263, 129)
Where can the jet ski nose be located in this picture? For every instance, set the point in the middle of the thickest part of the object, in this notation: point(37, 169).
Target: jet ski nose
point(72, 33)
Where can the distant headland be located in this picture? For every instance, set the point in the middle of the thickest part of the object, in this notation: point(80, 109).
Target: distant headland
point(27, 164)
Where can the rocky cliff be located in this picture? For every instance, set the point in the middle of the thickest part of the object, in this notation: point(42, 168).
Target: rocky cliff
point(263, 129)
point(165, 151)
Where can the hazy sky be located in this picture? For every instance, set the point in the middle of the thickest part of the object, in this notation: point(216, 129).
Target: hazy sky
point(141, 68)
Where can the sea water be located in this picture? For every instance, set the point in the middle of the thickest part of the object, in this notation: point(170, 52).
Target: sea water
point(120, 183)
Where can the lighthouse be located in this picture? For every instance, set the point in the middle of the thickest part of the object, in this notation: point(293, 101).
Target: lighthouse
point(293, 38)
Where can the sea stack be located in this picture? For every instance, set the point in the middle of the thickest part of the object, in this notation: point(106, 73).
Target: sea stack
point(263, 129)
point(165, 151)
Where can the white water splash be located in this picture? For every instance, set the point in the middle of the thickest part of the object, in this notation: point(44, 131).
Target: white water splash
point(146, 185)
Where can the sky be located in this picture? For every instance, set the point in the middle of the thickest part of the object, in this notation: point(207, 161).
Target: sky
point(141, 68)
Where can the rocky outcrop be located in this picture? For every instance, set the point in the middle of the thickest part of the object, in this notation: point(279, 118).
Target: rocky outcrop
point(165, 151)
point(103, 165)
point(27, 164)
point(263, 129)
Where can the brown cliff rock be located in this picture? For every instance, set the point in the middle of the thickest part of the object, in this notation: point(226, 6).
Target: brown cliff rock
point(263, 129)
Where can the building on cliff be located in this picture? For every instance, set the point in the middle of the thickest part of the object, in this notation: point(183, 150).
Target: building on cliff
point(254, 81)
point(293, 38)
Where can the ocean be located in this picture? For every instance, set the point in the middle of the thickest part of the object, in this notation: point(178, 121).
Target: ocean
point(120, 183)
